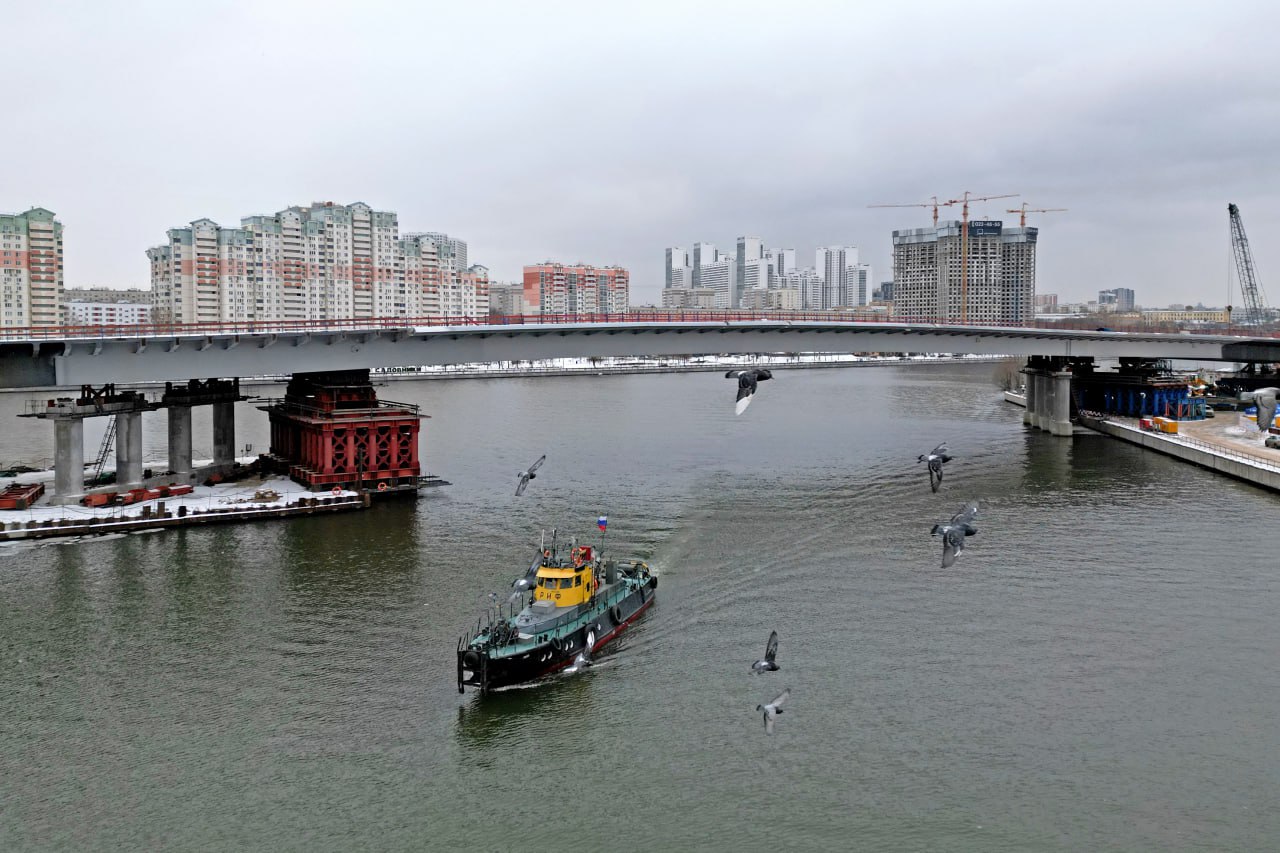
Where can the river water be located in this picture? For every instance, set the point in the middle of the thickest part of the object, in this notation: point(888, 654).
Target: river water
point(1096, 673)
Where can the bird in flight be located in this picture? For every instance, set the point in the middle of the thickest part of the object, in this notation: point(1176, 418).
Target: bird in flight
point(772, 710)
point(935, 458)
point(583, 658)
point(747, 381)
point(1265, 400)
point(954, 532)
point(768, 663)
point(527, 475)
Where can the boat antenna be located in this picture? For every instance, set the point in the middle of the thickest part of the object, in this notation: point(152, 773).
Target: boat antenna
point(553, 543)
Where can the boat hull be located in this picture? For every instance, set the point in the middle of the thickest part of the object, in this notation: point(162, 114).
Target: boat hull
point(494, 668)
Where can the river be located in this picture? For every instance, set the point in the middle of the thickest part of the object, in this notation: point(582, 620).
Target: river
point(1097, 672)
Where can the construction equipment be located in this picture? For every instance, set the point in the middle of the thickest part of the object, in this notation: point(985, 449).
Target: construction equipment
point(964, 244)
point(935, 205)
point(1255, 311)
point(1023, 210)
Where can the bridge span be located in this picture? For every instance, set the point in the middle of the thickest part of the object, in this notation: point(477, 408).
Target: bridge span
point(93, 356)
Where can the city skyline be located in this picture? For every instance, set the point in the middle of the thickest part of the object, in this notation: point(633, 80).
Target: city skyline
point(1143, 129)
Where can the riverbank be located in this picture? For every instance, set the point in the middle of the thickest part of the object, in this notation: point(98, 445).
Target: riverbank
point(1223, 445)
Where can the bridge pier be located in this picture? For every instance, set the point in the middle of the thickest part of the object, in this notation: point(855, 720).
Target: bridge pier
point(1048, 396)
point(68, 460)
point(224, 436)
point(180, 441)
point(129, 450)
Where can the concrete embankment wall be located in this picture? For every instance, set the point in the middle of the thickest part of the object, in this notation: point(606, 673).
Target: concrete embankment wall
point(1222, 462)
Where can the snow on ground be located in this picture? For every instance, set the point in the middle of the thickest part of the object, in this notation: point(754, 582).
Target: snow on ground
point(239, 495)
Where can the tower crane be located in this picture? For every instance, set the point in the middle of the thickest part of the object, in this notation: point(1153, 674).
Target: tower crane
point(1254, 300)
point(935, 204)
point(1024, 210)
point(964, 244)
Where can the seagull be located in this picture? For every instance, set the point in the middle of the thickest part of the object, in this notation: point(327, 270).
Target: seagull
point(772, 710)
point(954, 532)
point(1265, 400)
point(526, 476)
point(747, 380)
point(935, 458)
point(583, 659)
point(521, 585)
point(768, 664)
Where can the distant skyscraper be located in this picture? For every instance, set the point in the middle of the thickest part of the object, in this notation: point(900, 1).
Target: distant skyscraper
point(857, 282)
point(1001, 273)
point(719, 277)
point(703, 254)
point(677, 268)
point(782, 261)
point(1118, 299)
point(833, 264)
point(30, 269)
point(749, 249)
point(810, 286)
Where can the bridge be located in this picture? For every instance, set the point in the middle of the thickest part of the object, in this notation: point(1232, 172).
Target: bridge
point(211, 358)
point(72, 357)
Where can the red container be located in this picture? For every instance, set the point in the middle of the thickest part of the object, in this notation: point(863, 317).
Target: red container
point(101, 499)
point(178, 491)
point(1145, 423)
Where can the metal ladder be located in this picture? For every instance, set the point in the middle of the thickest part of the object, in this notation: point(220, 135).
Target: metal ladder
point(107, 439)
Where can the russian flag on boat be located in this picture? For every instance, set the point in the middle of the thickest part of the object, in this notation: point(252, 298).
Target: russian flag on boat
point(603, 521)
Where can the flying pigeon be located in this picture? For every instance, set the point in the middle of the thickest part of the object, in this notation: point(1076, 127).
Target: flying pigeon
point(583, 659)
point(526, 476)
point(528, 581)
point(935, 458)
point(768, 664)
point(1265, 400)
point(954, 532)
point(747, 381)
point(772, 710)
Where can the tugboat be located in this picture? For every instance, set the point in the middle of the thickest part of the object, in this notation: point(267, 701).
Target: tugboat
point(577, 604)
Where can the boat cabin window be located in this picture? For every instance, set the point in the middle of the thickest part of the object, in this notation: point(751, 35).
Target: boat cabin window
point(577, 580)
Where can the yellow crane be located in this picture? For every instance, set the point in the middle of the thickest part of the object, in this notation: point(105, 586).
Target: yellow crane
point(1023, 210)
point(964, 244)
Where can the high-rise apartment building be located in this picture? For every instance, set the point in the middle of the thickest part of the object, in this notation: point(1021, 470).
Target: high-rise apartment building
point(552, 288)
point(1001, 273)
point(30, 269)
point(810, 286)
point(781, 262)
point(703, 254)
point(103, 306)
point(834, 265)
point(326, 261)
point(750, 251)
point(1118, 299)
point(719, 277)
point(678, 272)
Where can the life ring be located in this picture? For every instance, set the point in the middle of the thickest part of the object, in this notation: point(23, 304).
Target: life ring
point(382, 487)
point(615, 613)
point(337, 490)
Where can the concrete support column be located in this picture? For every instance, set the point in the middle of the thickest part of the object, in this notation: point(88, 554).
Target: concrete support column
point(1029, 383)
point(1061, 415)
point(129, 450)
point(68, 459)
point(180, 441)
point(224, 434)
point(1047, 402)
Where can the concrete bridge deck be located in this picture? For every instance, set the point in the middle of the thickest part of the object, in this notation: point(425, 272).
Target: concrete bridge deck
point(85, 355)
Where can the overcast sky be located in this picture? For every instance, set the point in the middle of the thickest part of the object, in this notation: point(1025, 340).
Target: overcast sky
point(575, 131)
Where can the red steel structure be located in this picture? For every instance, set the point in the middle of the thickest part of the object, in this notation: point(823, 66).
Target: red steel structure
point(332, 431)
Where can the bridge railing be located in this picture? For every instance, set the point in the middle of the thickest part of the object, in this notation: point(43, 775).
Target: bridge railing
point(358, 324)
